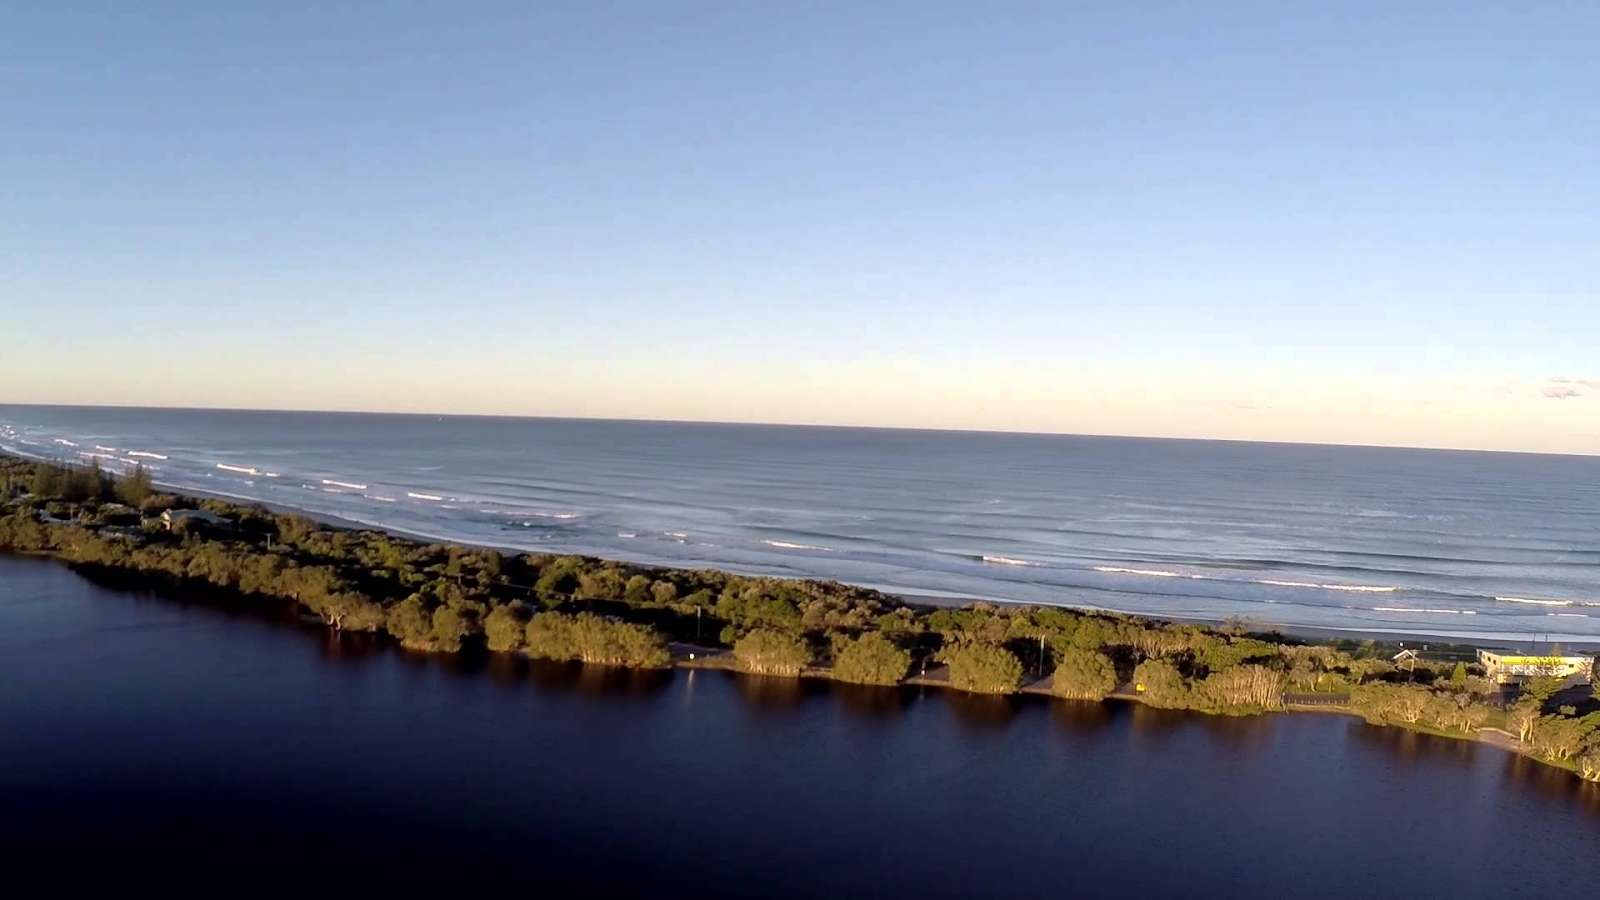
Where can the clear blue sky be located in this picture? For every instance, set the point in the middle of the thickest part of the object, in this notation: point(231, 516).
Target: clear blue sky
point(1366, 222)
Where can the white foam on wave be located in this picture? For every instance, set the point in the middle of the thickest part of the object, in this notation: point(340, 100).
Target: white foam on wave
point(1008, 561)
point(627, 534)
point(1355, 588)
point(65, 443)
point(790, 545)
point(344, 484)
point(106, 449)
point(380, 499)
point(1408, 609)
point(1534, 602)
point(243, 470)
point(416, 496)
point(676, 534)
point(145, 454)
point(1153, 573)
point(269, 475)
point(534, 514)
point(1569, 615)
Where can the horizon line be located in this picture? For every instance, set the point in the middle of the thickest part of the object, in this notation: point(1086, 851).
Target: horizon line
point(770, 424)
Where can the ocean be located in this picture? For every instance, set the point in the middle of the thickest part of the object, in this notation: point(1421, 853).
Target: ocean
point(1447, 543)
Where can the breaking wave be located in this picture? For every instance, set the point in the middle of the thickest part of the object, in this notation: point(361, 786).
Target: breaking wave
point(790, 545)
point(1409, 609)
point(344, 484)
point(1008, 561)
point(1354, 588)
point(416, 496)
point(1153, 573)
point(1535, 602)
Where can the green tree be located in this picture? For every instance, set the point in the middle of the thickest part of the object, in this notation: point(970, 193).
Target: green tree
point(1458, 677)
point(47, 481)
point(1159, 683)
point(1083, 675)
point(770, 652)
point(637, 590)
point(450, 627)
point(504, 630)
point(1543, 687)
point(982, 668)
point(871, 659)
point(551, 635)
point(411, 623)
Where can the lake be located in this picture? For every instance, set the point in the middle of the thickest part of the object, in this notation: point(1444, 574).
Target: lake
point(150, 735)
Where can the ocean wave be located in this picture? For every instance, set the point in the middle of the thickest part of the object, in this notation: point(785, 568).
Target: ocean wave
point(379, 499)
point(790, 545)
point(65, 443)
point(107, 449)
point(145, 454)
point(1535, 602)
point(515, 512)
point(1008, 561)
point(1569, 615)
point(1408, 609)
point(1353, 588)
point(627, 534)
point(1153, 573)
point(416, 496)
point(674, 534)
point(344, 484)
point(243, 470)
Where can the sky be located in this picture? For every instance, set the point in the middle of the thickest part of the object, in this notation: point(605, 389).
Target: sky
point(1350, 223)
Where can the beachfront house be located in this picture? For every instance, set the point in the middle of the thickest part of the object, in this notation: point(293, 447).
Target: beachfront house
point(1514, 668)
point(174, 518)
point(1406, 660)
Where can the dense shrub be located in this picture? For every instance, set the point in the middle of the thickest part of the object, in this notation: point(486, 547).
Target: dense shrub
point(771, 652)
point(983, 668)
point(1084, 675)
point(871, 659)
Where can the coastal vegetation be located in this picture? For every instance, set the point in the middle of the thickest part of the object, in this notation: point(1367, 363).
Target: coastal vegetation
point(436, 598)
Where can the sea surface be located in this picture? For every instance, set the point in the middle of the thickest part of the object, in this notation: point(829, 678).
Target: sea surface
point(144, 738)
point(1479, 545)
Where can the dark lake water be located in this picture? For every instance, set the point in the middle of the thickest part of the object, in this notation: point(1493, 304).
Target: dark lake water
point(141, 735)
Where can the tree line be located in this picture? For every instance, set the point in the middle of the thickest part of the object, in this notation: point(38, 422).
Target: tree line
point(442, 598)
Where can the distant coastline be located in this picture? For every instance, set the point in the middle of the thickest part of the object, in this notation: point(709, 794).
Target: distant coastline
point(442, 598)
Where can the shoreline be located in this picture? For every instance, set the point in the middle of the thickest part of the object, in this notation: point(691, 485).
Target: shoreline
point(449, 598)
point(1305, 632)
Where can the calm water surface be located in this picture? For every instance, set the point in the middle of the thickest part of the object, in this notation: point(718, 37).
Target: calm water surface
point(138, 732)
